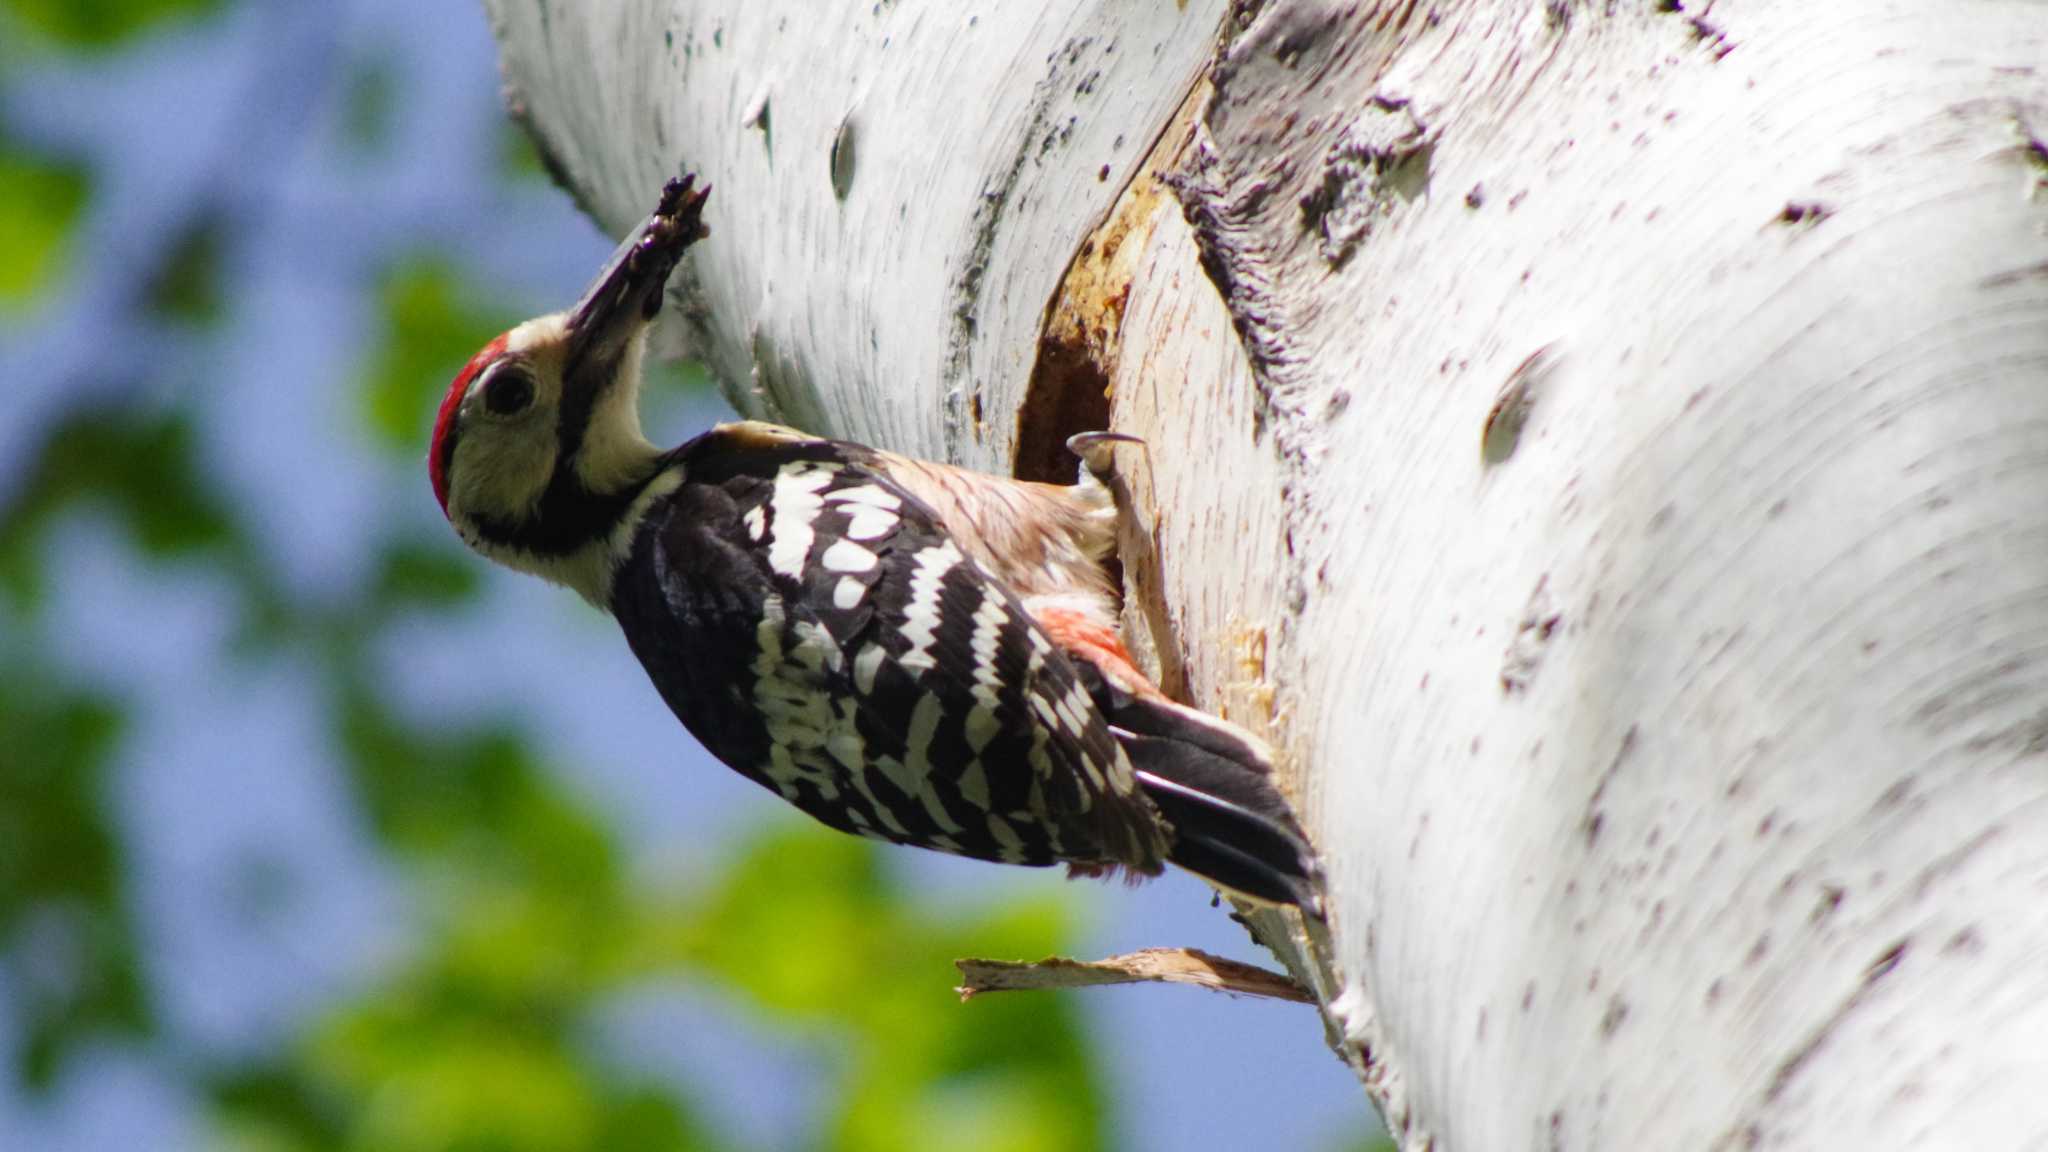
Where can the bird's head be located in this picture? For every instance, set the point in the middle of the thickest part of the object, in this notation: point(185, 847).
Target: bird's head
point(537, 453)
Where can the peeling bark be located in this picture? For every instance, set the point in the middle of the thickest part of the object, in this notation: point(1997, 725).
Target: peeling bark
point(1603, 445)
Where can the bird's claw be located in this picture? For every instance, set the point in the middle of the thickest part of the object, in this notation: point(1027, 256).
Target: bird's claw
point(1096, 449)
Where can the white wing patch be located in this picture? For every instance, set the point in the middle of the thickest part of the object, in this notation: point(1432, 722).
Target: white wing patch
point(865, 666)
point(921, 614)
point(768, 637)
point(848, 593)
point(974, 785)
point(982, 726)
point(846, 556)
point(1041, 735)
point(846, 746)
point(917, 743)
point(1074, 708)
point(1023, 728)
point(988, 629)
point(815, 648)
point(1012, 845)
point(868, 523)
point(868, 495)
point(810, 740)
point(797, 504)
point(795, 717)
point(869, 511)
point(913, 775)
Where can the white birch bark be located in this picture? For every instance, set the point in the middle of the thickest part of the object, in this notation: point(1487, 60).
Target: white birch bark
point(1605, 446)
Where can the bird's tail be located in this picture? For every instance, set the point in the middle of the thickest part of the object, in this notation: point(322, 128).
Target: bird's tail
point(1214, 783)
point(1212, 780)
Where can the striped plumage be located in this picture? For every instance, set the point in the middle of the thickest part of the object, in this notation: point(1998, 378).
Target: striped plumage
point(817, 628)
point(903, 650)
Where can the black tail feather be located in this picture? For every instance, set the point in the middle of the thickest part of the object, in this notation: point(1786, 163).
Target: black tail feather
point(1213, 781)
point(1230, 846)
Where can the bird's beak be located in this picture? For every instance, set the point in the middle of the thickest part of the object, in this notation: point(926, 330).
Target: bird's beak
point(627, 294)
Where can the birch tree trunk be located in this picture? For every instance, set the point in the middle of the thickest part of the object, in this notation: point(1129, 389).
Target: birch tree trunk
point(1604, 445)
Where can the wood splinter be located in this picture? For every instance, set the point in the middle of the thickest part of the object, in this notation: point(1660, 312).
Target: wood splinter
point(1164, 965)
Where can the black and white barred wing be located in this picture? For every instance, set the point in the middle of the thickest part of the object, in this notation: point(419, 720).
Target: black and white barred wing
point(873, 674)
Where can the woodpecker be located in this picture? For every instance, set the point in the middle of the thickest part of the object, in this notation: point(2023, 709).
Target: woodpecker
point(904, 650)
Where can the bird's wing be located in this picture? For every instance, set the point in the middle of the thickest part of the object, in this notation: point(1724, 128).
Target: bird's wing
point(818, 628)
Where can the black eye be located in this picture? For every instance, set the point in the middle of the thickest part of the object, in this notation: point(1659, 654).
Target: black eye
point(508, 391)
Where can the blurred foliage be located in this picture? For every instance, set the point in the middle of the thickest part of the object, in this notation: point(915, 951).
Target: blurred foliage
point(413, 574)
point(98, 24)
point(525, 923)
point(135, 464)
point(432, 324)
point(809, 927)
point(187, 288)
point(41, 200)
point(519, 157)
point(529, 923)
point(67, 931)
point(74, 974)
point(480, 1042)
point(370, 104)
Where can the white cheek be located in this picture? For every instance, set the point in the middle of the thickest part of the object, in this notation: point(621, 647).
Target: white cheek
point(499, 472)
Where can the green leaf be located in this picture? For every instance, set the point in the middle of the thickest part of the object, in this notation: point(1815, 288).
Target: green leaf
point(139, 465)
point(370, 104)
point(808, 925)
point(271, 1107)
point(475, 792)
point(101, 24)
point(432, 325)
point(187, 286)
point(415, 574)
point(428, 1081)
point(518, 157)
point(63, 902)
point(41, 200)
point(798, 923)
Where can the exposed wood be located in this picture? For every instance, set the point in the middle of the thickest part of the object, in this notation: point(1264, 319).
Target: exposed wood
point(1146, 966)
